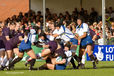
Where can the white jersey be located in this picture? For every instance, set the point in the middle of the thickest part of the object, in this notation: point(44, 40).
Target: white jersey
point(100, 41)
point(56, 32)
point(32, 36)
point(69, 56)
point(64, 33)
point(51, 38)
point(83, 28)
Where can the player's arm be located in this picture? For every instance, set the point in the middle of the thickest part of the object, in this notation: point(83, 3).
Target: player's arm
point(76, 36)
point(25, 39)
point(83, 36)
point(94, 37)
point(47, 33)
point(20, 38)
point(46, 46)
point(55, 35)
point(7, 38)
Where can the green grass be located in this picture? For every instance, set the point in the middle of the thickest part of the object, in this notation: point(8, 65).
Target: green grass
point(103, 69)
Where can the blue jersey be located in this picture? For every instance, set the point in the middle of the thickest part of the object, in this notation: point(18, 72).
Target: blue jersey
point(25, 45)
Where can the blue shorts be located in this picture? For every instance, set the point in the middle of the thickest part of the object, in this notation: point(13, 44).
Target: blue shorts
point(85, 41)
point(74, 41)
point(60, 67)
point(25, 46)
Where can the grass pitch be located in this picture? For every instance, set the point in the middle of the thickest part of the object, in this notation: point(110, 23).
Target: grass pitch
point(103, 69)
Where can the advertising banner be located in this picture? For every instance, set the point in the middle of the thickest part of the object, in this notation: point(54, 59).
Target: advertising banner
point(103, 52)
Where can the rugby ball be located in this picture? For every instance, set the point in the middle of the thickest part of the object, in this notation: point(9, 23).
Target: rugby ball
point(59, 58)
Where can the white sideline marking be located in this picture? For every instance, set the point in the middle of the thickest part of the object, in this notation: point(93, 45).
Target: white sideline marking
point(14, 72)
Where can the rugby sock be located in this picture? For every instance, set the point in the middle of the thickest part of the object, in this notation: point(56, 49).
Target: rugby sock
point(27, 58)
point(77, 59)
point(8, 62)
point(73, 63)
point(92, 57)
point(94, 65)
point(4, 61)
point(83, 59)
point(15, 60)
point(38, 56)
point(28, 61)
point(32, 62)
point(0, 60)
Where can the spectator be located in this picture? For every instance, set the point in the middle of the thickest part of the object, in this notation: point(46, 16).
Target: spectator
point(93, 15)
point(110, 40)
point(100, 41)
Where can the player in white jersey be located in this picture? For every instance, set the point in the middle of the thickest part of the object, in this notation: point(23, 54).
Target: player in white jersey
point(67, 36)
point(32, 36)
point(85, 40)
point(69, 55)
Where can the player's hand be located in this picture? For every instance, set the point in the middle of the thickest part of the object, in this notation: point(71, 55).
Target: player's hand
point(46, 33)
point(45, 46)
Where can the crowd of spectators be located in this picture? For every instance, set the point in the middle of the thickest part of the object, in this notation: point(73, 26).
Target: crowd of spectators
point(31, 19)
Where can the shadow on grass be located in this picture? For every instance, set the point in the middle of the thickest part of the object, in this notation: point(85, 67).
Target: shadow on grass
point(20, 68)
point(101, 67)
point(105, 67)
